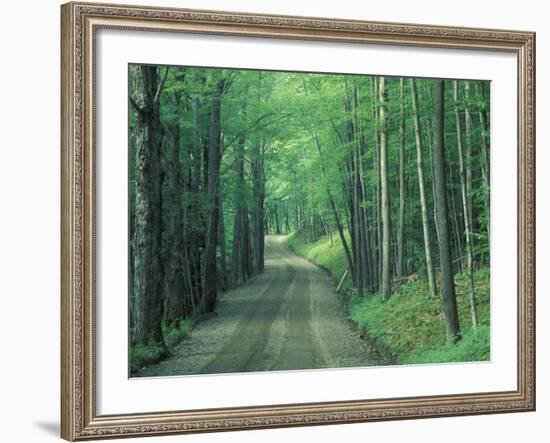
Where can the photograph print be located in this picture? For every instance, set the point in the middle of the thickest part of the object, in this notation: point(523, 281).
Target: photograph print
point(297, 221)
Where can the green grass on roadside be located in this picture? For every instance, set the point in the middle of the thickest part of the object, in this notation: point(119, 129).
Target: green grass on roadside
point(144, 355)
point(173, 334)
point(410, 325)
point(328, 256)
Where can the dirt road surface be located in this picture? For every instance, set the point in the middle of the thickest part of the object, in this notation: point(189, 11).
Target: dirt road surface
point(286, 318)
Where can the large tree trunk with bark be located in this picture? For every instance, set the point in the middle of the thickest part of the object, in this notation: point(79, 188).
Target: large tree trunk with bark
point(147, 224)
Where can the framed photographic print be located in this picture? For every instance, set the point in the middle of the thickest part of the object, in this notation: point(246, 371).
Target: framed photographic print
point(281, 221)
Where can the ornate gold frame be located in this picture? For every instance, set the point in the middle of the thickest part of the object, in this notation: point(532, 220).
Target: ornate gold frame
point(79, 22)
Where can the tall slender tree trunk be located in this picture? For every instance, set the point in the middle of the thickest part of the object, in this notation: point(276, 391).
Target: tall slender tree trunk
point(455, 223)
point(236, 259)
point(258, 211)
point(442, 219)
point(339, 226)
point(276, 219)
point(385, 194)
point(223, 253)
point(353, 160)
point(357, 226)
point(176, 307)
point(422, 189)
point(214, 153)
point(246, 248)
point(195, 232)
point(401, 217)
point(287, 220)
point(361, 191)
point(367, 243)
point(377, 205)
point(485, 155)
point(429, 128)
point(468, 153)
point(466, 209)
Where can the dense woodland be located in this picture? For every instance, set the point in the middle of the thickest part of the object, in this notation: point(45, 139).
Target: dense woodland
point(394, 170)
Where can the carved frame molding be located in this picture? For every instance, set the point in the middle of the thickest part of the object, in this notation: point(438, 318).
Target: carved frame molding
point(79, 24)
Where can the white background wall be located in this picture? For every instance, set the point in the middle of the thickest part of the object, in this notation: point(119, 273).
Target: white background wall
point(29, 218)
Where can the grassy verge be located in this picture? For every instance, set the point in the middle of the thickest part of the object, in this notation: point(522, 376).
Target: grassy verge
point(144, 355)
point(328, 256)
point(410, 325)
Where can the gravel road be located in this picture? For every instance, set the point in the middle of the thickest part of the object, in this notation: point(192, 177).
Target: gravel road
point(286, 318)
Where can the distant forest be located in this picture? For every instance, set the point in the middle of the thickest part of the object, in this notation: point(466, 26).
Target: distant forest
point(394, 171)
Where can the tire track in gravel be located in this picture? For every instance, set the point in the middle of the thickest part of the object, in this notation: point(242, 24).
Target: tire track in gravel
point(286, 318)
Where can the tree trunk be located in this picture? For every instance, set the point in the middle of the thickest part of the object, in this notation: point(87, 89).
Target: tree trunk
point(174, 287)
point(385, 194)
point(195, 212)
point(468, 153)
point(287, 220)
point(455, 223)
point(223, 254)
point(401, 181)
point(147, 224)
point(361, 191)
point(442, 219)
point(368, 270)
point(431, 168)
point(276, 219)
point(466, 209)
point(356, 197)
point(485, 160)
point(376, 208)
point(246, 247)
point(210, 268)
point(422, 189)
point(339, 226)
point(236, 252)
point(258, 210)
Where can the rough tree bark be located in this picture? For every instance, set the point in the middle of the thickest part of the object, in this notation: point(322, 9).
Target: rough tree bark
point(147, 223)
